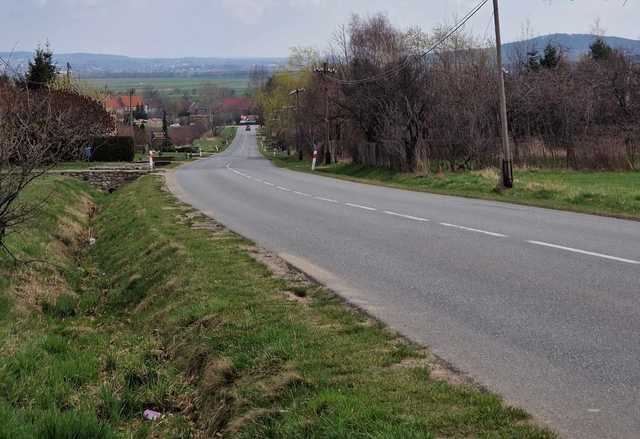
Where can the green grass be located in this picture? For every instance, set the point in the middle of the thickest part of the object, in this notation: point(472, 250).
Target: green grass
point(603, 193)
point(170, 87)
point(219, 143)
point(164, 316)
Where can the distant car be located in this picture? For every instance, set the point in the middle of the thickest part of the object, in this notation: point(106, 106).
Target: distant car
point(248, 128)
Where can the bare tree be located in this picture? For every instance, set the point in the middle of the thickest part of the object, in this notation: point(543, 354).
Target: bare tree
point(38, 129)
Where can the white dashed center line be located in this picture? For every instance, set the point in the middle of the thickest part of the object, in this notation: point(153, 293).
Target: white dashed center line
point(424, 220)
point(358, 206)
point(400, 215)
point(469, 229)
point(584, 252)
point(328, 200)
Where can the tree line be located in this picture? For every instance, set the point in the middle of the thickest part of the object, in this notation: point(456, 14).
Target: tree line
point(381, 104)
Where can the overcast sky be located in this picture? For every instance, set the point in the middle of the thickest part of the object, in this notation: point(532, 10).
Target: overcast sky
point(173, 28)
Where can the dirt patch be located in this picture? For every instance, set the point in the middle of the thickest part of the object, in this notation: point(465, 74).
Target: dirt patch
point(294, 297)
point(280, 268)
point(440, 370)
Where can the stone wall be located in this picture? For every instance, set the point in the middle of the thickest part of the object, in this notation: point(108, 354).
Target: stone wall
point(107, 180)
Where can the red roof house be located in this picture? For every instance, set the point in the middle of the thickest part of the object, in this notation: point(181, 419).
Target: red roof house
point(123, 103)
point(236, 105)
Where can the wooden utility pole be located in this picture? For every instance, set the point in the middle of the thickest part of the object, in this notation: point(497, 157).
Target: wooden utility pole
point(297, 92)
point(507, 160)
point(324, 72)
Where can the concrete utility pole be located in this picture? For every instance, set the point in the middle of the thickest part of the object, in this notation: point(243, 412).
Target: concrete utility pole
point(297, 92)
point(507, 160)
point(324, 72)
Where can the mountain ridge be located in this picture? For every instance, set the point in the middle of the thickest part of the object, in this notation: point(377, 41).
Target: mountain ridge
point(96, 65)
point(573, 45)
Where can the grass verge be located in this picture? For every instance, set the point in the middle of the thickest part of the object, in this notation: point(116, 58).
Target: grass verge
point(602, 193)
point(218, 143)
point(171, 312)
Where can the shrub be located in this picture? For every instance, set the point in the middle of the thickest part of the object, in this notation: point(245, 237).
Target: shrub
point(113, 149)
point(186, 149)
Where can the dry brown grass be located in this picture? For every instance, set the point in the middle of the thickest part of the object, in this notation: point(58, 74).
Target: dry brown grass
point(39, 282)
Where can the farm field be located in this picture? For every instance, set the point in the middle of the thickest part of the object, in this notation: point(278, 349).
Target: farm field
point(170, 86)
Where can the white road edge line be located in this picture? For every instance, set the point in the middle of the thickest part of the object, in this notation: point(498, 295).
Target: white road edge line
point(283, 189)
point(358, 206)
point(414, 218)
point(584, 252)
point(469, 229)
point(302, 194)
point(328, 200)
point(268, 184)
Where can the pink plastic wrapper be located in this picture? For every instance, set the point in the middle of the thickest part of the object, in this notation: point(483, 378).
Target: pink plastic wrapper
point(151, 415)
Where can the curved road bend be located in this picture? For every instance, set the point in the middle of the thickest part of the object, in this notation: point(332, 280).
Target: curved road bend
point(538, 305)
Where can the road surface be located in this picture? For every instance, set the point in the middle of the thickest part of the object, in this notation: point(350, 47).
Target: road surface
point(538, 305)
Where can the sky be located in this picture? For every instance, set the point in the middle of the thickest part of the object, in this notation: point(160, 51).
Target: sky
point(237, 28)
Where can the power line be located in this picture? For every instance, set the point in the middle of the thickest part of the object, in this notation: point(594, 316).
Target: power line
point(414, 58)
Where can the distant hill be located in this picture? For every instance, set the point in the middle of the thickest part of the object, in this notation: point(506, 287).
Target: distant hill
point(573, 45)
point(90, 65)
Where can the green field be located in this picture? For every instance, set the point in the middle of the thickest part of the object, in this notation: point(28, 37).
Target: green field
point(169, 86)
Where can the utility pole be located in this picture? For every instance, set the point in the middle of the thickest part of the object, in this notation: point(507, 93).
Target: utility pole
point(507, 160)
point(131, 92)
point(324, 72)
point(297, 92)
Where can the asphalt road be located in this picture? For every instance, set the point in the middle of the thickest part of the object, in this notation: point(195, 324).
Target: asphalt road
point(538, 305)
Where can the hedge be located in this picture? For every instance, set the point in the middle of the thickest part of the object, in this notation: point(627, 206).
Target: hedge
point(113, 149)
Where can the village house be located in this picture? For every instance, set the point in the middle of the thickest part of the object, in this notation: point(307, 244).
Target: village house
point(121, 105)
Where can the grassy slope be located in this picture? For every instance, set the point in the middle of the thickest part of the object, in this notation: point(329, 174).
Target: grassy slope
point(219, 143)
point(604, 193)
point(163, 315)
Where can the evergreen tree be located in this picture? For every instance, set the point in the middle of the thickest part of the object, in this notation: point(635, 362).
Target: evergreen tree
point(551, 57)
point(140, 113)
point(533, 61)
point(600, 50)
point(42, 70)
point(165, 130)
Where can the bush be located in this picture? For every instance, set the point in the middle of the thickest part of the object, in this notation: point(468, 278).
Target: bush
point(187, 149)
point(113, 149)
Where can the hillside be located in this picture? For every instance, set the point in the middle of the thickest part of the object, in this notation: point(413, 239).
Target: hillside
point(90, 65)
point(574, 45)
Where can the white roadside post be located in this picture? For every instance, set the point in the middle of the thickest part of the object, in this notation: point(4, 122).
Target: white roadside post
point(151, 164)
point(315, 159)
